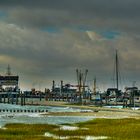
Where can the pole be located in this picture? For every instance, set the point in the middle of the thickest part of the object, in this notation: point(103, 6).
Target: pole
point(117, 85)
point(134, 100)
point(117, 71)
point(94, 86)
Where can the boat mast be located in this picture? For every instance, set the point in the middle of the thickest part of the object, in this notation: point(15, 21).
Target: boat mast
point(117, 73)
point(94, 89)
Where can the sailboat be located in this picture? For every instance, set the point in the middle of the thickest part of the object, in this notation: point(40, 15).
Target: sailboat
point(114, 93)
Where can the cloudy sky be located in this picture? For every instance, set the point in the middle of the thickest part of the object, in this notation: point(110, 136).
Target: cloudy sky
point(45, 40)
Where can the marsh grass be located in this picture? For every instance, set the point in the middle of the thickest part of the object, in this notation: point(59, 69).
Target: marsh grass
point(26, 131)
point(114, 129)
point(125, 129)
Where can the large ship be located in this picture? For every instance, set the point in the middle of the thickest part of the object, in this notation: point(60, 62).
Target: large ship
point(9, 87)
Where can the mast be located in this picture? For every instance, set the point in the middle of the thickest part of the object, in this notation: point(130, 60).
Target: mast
point(117, 72)
point(84, 79)
point(94, 90)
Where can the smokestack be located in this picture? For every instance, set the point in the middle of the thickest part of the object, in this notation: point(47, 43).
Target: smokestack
point(53, 86)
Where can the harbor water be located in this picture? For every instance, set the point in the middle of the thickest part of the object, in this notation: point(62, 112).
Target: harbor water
point(33, 117)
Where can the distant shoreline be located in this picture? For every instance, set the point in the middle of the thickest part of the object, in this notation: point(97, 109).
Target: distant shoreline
point(97, 112)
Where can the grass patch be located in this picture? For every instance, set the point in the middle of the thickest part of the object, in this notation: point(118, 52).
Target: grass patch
point(26, 131)
point(126, 129)
point(114, 129)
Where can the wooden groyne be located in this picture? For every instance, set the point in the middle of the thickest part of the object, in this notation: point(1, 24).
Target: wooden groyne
point(24, 110)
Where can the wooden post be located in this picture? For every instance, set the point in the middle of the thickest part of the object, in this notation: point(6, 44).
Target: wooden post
point(16, 99)
point(21, 96)
point(12, 98)
point(8, 98)
point(24, 101)
point(4, 98)
point(0, 98)
point(40, 96)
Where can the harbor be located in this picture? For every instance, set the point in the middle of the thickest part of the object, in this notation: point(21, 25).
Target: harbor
point(65, 107)
point(69, 70)
point(80, 93)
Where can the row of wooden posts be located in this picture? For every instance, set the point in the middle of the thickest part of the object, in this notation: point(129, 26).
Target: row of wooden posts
point(23, 110)
point(13, 99)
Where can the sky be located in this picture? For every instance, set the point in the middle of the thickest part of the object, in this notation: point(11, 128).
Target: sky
point(46, 40)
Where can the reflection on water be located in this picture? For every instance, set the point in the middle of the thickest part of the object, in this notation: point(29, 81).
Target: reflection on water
point(6, 117)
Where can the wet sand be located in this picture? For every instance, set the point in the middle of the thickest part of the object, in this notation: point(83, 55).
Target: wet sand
point(100, 114)
point(97, 112)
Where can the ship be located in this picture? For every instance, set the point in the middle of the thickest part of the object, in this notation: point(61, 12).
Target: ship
point(9, 86)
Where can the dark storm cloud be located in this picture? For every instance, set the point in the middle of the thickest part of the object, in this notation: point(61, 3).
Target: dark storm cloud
point(49, 39)
point(105, 14)
point(38, 55)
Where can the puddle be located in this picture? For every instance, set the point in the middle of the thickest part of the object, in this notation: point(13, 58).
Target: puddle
point(71, 128)
point(95, 138)
point(47, 134)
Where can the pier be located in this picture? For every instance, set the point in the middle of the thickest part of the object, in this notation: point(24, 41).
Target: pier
point(79, 93)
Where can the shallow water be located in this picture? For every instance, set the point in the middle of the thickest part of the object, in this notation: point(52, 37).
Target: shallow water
point(118, 107)
point(49, 108)
point(47, 134)
point(34, 118)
